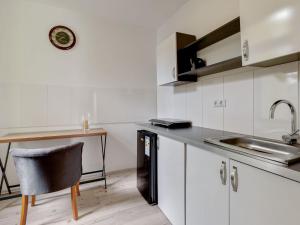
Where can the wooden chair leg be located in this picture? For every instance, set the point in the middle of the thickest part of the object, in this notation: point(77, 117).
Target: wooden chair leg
point(33, 200)
point(74, 202)
point(77, 189)
point(24, 209)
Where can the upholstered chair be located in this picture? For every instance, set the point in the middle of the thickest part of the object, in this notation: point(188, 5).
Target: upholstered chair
point(47, 170)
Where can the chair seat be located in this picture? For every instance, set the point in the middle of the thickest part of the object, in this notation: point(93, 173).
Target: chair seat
point(48, 170)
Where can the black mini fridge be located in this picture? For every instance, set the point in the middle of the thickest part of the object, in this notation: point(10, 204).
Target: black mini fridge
point(147, 165)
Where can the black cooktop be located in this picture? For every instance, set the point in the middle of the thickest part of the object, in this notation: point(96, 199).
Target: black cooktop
point(171, 123)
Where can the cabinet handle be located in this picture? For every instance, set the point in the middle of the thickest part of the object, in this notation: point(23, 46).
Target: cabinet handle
point(223, 174)
point(157, 143)
point(246, 50)
point(173, 73)
point(234, 179)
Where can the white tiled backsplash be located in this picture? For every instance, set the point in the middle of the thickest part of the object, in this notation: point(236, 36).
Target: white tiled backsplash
point(247, 95)
point(34, 105)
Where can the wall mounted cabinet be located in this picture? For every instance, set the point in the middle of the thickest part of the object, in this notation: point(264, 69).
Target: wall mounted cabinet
point(269, 31)
point(269, 36)
point(221, 33)
point(170, 63)
point(175, 52)
point(167, 61)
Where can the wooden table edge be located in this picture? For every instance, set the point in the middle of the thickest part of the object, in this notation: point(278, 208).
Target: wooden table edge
point(51, 135)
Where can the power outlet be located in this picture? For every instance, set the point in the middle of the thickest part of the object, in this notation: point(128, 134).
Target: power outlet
point(223, 103)
point(219, 103)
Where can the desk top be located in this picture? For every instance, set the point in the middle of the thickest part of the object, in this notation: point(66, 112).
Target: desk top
point(49, 135)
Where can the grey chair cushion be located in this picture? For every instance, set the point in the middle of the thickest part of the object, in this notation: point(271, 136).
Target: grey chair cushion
point(48, 170)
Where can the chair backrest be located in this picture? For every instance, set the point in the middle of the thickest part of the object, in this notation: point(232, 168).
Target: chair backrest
point(48, 170)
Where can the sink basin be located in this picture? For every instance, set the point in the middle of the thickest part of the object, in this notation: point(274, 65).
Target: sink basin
point(272, 150)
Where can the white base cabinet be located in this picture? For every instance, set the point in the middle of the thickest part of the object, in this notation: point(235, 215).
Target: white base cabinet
point(263, 198)
point(199, 187)
point(171, 179)
point(207, 188)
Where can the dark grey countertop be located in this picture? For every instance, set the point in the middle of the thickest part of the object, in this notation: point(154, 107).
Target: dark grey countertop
point(195, 136)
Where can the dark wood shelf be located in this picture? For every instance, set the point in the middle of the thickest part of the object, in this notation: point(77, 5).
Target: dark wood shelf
point(185, 79)
point(188, 51)
point(226, 65)
point(225, 31)
point(280, 60)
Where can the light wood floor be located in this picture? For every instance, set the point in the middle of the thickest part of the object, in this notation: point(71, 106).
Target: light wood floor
point(120, 205)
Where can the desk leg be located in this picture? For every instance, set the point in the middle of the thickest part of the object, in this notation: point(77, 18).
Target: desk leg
point(103, 148)
point(3, 170)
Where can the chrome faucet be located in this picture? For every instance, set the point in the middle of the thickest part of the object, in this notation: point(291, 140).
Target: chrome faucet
point(293, 137)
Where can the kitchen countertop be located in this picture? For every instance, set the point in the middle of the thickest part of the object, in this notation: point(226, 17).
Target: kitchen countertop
point(195, 136)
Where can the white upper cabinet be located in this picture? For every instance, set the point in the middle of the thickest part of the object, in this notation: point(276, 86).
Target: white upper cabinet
point(269, 29)
point(207, 188)
point(167, 61)
point(262, 198)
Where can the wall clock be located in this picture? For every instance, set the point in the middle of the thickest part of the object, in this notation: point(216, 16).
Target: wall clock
point(62, 37)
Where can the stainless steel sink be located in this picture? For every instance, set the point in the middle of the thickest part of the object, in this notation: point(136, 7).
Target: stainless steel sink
point(271, 150)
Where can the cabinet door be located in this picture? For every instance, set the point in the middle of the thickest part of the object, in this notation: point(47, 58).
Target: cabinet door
point(212, 93)
point(207, 190)
point(171, 179)
point(263, 198)
point(238, 110)
point(167, 61)
point(269, 28)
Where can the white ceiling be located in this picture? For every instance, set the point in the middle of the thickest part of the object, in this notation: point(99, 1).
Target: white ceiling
point(146, 13)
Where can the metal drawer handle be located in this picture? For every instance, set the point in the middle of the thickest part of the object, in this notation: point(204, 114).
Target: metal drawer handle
point(223, 174)
point(234, 179)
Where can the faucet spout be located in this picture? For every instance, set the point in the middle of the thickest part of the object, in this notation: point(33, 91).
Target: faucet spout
point(293, 137)
point(293, 112)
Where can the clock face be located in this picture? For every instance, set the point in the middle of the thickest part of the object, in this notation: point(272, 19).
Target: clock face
point(62, 37)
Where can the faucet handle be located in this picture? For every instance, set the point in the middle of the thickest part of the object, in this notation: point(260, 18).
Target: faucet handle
point(292, 138)
point(294, 133)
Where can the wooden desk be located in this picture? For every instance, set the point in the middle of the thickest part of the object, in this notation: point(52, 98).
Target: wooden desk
point(51, 135)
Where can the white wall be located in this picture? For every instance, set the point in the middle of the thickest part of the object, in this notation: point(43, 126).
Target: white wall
point(249, 92)
point(199, 17)
point(110, 74)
